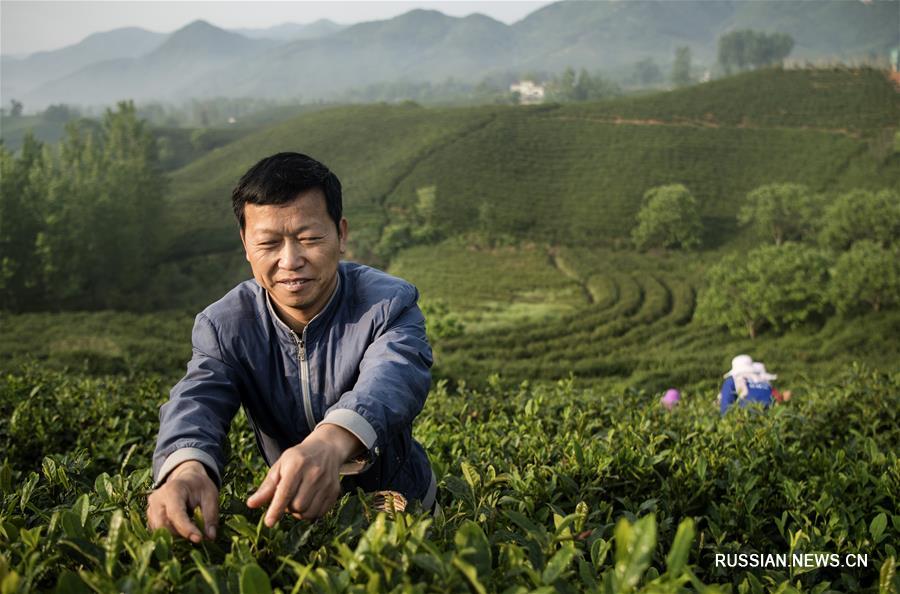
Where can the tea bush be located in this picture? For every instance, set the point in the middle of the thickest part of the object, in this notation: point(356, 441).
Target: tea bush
point(546, 488)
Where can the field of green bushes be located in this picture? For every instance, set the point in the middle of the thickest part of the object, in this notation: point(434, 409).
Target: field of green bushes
point(627, 321)
point(544, 488)
point(558, 469)
point(566, 174)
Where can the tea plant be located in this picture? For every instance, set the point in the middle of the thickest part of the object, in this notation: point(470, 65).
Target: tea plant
point(545, 488)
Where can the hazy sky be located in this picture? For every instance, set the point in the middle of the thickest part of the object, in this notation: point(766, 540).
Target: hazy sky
point(28, 26)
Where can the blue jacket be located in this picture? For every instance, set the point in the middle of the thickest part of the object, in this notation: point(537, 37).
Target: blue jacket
point(758, 392)
point(362, 363)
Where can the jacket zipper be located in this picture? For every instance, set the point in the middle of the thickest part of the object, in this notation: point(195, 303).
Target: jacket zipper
point(304, 378)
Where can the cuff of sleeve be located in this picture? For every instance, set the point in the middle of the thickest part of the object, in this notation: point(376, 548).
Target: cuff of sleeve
point(183, 455)
point(353, 422)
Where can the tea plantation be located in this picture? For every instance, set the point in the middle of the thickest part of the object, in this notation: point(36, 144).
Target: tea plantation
point(558, 469)
point(544, 488)
point(561, 474)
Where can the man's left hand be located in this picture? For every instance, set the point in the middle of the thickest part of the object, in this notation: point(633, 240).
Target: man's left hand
point(305, 480)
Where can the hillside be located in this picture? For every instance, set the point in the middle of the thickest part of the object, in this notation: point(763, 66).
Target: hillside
point(570, 174)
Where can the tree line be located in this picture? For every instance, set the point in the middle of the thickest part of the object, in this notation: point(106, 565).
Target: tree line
point(814, 256)
point(80, 221)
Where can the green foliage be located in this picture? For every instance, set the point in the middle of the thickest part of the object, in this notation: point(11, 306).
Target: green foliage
point(440, 321)
point(866, 276)
point(411, 226)
point(92, 212)
point(20, 223)
point(61, 113)
point(681, 67)
point(669, 218)
point(569, 87)
point(781, 211)
point(752, 49)
point(98, 343)
point(779, 287)
point(570, 174)
point(859, 215)
point(858, 101)
point(546, 488)
point(487, 287)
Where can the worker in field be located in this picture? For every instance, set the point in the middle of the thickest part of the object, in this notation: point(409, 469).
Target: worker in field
point(328, 359)
point(760, 372)
point(743, 386)
point(670, 399)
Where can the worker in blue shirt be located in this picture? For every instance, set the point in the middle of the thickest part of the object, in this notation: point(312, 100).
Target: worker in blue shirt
point(744, 386)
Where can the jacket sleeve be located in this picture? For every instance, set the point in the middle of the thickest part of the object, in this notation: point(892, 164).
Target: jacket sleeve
point(394, 378)
point(194, 422)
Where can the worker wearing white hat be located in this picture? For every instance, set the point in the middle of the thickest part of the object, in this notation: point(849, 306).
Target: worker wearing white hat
point(744, 385)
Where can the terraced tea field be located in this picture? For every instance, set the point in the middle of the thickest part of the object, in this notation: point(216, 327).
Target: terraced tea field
point(632, 326)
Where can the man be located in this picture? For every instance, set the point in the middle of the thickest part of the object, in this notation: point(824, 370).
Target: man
point(329, 360)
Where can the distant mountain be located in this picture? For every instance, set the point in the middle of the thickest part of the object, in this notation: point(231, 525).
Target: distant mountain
point(425, 45)
point(417, 45)
point(190, 52)
point(21, 75)
point(604, 35)
point(293, 31)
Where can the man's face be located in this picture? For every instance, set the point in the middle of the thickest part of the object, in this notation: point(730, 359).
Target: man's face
point(294, 250)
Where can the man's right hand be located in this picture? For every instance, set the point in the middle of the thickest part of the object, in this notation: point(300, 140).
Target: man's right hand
point(171, 505)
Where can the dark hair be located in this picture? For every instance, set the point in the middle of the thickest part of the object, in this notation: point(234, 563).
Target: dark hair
point(281, 178)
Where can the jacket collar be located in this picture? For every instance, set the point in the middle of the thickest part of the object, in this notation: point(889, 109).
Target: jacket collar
point(318, 319)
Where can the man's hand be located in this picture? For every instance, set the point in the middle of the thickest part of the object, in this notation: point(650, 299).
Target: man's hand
point(305, 480)
point(171, 505)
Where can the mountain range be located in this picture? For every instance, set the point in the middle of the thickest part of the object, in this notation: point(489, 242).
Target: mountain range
point(320, 60)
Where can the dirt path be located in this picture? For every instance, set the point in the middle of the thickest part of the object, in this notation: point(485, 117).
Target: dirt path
point(560, 265)
point(620, 121)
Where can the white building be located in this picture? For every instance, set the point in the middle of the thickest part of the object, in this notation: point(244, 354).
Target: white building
point(529, 92)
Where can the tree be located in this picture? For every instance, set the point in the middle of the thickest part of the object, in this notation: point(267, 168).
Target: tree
point(20, 223)
point(779, 48)
point(681, 68)
point(102, 219)
point(60, 113)
point(562, 89)
point(583, 86)
point(774, 287)
point(668, 218)
point(15, 109)
point(780, 211)
point(748, 48)
point(861, 214)
point(868, 274)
